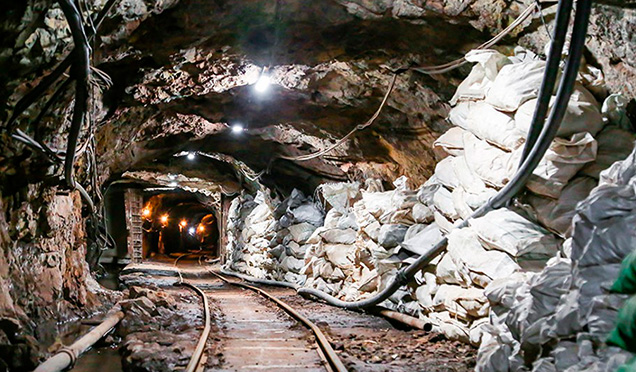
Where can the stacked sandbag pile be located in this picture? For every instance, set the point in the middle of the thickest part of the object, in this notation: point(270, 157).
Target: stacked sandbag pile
point(297, 218)
point(251, 226)
point(560, 318)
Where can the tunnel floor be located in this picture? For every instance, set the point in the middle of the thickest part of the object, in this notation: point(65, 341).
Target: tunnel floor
point(250, 333)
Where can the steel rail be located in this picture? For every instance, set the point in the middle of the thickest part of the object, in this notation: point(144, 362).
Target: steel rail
point(322, 341)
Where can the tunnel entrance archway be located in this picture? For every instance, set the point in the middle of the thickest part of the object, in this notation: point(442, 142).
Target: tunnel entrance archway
point(177, 222)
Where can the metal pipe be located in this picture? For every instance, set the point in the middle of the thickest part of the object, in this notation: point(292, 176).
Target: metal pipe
point(512, 188)
point(407, 319)
point(66, 357)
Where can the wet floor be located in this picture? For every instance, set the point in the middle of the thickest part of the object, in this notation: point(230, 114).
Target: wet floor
point(100, 359)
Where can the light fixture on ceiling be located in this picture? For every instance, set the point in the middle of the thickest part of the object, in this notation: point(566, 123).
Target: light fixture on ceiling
point(191, 231)
point(191, 156)
point(172, 176)
point(173, 184)
point(263, 83)
point(164, 219)
point(237, 128)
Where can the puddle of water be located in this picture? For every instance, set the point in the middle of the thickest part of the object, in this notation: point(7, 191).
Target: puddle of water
point(100, 359)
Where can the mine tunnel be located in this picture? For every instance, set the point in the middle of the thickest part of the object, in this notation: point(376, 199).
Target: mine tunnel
point(336, 185)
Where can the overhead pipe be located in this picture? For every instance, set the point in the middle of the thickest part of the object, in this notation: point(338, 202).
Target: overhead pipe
point(544, 141)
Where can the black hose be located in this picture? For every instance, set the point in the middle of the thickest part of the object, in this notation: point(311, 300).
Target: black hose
point(80, 70)
point(552, 70)
point(513, 187)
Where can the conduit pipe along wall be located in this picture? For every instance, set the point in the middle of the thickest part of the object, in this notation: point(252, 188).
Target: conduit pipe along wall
point(543, 141)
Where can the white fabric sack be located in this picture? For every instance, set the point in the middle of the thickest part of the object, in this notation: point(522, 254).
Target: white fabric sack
point(341, 255)
point(423, 240)
point(506, 231)
point(461, 302)
point(340, 195)
point(477, 83)
point(582, 114)
point(561, 162)
point(443, 202)
point(337, 236)
point(421, 213)
point(491, 164)
point(449, 143)
point(466, 251)
point(301, 232)
point(445, 173)
point(392, 235)
point(515, 84)
point(487, 123)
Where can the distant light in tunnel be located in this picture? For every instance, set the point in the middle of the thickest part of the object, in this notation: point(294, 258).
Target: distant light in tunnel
point(173, 184)
point(172, 176)
point(191, 156)
point(191, 231)
point(201, 228)
point(237, 128)
point(145, 212)
point(164, 219)
point(183, 223)
point(263, 83)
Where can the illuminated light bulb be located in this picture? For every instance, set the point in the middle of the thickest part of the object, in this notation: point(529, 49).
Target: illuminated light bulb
point(201, 228)
point(145, 212)
point(191, 230)
point(172, 176)
point(191, 156)
point(183, 223)
point(164, 219)
point(173, 184)
point(237, 128)
point(263, 83)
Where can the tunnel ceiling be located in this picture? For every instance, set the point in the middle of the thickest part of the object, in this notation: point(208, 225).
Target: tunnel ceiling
point(183, 71)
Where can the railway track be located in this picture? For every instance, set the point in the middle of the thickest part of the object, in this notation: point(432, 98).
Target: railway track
point(257, 338)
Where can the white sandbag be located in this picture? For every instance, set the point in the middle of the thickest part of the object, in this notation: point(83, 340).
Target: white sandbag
point(368, 281)
point(294, 278)
point(378, 203)
point(309, 213)
point(443, 202)
point(466, 251)
point(422, 213)
point(449, 143)
point(614, 111)
point(505, 230)
point(620, 173)
point(561, 162)
point(582, 114)
point(477, 83)
point(341, 255)
point(296, 250)
point(614, 144)
point(340, 195)
point(443, 223)
point(477, 330)
point(446, 324)
point(487, 123)
point(331, 218)
point(301, 232)
point(501, 291)
point(391, 235)
point(373, 185)
point(447, 271)
point(556, 215)
point(347, 221)
point(426, 192)
point(490, 163)
point(337, 236)
point(445, 173)
point(461, 302)
point(423, 240)
point(515, 84)
point(259, 214)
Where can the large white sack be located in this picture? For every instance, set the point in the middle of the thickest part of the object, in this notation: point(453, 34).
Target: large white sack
point(461, 302)
point(447, 271)
point(466, 251)
point(340, 195)
point(561, 162)
point(445, 173)
point(557, 214)
point(425, 192)
point(301, 232)
point(392, 235)
point(448, 325)
point(449, 143)
point(582, 115)
point(515, 84)
point(422, 213)
point(290, 263)
point(506, 231)
point(341, 255)
point(337, 236)
point(490, 163)
point(309, 213)
point(443, 202)
point(614, 144)
point(477, 83)
point(468, 180)
point(488, 123)
point(423, 240)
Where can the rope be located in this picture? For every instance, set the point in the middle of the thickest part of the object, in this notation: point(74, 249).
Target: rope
point(357, 128)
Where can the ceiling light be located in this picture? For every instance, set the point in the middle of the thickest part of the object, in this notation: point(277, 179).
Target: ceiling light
point(183, 223)
point(237, 128)
point(201, 228)
point(172, 176)
point(191, 230)
point(164, 219)
point(191, 156)
point(263, 83)
point(173, 184)
point(145, 212)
